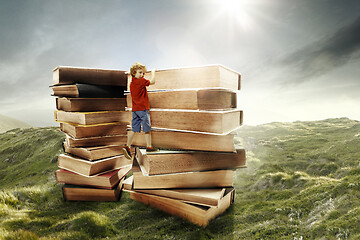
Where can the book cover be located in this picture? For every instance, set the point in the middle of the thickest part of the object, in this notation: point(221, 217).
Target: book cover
point(90, 104)
point(69, 75)
point(79, 90)
point(165, 161)
point(195, 99)
point(89, 168)
point(102, 180)
point(195, 213)
point(94, 130)
point(86, 193)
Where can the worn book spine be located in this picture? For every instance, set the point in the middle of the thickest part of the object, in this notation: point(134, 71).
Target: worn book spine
point(90, 104)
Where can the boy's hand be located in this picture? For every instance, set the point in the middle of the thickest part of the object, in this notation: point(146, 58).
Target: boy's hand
point(152, 80)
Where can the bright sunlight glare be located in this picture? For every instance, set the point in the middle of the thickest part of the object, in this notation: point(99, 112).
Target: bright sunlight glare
point(237, 10)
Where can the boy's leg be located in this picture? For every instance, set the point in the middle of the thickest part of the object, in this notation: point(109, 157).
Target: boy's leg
point(147, 130)
point(130, 136)
point(148, 139)
point(136, 126)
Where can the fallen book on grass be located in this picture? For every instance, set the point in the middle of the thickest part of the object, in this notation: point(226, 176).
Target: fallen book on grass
point(221, 122)
point(203, 179)
point(195, 213)
point(94, 130)
point(69, 75)
point(94, 153)
point(201, 196)
point(90, 104)
point(210, 76)
point(165, 161)
point(103, 180)
point(185, 140)
point(89, 168)
point(79, 90)
point(90, 118)
point(86, 193)
point(118, 140)
point(202, 99)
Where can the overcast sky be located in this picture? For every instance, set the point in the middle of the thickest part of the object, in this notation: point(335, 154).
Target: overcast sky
point(299, 59)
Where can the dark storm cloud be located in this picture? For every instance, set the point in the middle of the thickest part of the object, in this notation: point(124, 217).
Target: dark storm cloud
point(327, 54)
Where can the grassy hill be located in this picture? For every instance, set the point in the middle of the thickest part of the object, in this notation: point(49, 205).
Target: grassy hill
point(7, 123)
point(302, 182)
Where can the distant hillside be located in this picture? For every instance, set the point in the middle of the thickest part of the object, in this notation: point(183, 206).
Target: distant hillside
point(7, 123)
point(302, 182)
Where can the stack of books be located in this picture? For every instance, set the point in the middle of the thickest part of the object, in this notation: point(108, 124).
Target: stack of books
point(90, 107)
point(193, 115)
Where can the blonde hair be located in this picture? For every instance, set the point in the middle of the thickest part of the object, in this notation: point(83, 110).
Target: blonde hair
point(136, 66)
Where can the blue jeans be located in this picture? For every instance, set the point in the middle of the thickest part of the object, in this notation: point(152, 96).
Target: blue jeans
point(141, 118)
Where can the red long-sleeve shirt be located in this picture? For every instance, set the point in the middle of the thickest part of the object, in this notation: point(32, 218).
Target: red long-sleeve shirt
point(139, 95)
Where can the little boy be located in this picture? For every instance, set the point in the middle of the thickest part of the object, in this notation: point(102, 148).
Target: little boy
point(140, 107)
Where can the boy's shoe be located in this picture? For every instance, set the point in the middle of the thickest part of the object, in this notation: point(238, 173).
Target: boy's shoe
point(127, 152)
point(151, 149)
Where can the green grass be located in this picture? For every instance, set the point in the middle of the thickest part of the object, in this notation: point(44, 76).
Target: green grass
point(302, 182)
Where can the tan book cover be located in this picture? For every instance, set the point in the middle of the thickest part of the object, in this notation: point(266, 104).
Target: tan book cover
point(94, 153)
point(86, 193)
point(210, 76)
point(104, 180)
point(118, 140)
point(165, 161)
point(183, 140)
point(203, 179)
point(220, 122)
point(202, 99)
point(89, 168)
point(201, 196)
point(89, 118)
point(94, 130)
point(197, 214)
point(68, 75)
point(90, 104)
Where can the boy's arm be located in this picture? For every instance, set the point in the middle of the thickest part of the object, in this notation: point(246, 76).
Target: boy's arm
point(152, 80)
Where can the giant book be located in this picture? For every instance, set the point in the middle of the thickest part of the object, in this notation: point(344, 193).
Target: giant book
point(96, 141)
point(202, 99)
point(195, 213)
point(95, 130)
point(80, 90)
point(221, 122)
point(195, 77)
point(165, 161)
point(86, 193)
point(203, 179)
point(104, 180)
point(165, 139)
point(88, 118)
point(89, 168)
point(69, 75)
point(90, 104)
point(201, 196)
point(94, 153)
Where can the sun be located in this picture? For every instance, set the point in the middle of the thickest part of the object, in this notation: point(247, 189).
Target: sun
point(237, 10)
